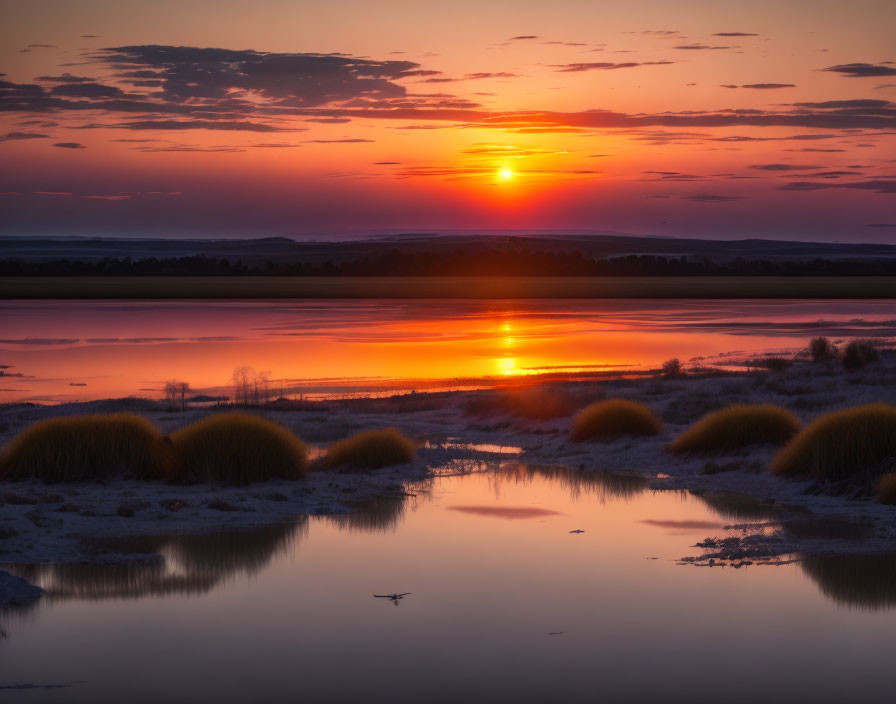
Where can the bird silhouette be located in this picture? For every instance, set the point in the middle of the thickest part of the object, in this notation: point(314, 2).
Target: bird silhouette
point(577, 530)
point(394, 598)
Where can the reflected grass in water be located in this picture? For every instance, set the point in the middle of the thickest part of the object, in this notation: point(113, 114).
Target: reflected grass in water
point(182, 564)
point(379, 514)
point(863, 582)
point(599, 483)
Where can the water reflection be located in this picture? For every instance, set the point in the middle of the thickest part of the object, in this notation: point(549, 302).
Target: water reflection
point(863, 582)
point(508, 513)
point(379, 514)
point(635, 625)
point(182, 564)
point(603, 485)
point(329, 347)
point(740, 507)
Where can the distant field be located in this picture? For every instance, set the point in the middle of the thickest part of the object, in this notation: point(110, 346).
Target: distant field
point(448, 287)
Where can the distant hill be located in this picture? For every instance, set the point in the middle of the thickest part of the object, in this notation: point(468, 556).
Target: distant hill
point(282, 250)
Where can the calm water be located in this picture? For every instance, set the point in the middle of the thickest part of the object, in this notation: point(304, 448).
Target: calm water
point(59, 350)
point(505, 605)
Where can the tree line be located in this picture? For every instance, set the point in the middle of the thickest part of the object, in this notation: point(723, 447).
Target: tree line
point(484, 262)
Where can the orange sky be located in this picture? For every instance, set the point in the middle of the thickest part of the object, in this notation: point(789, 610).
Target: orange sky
point(713, 119)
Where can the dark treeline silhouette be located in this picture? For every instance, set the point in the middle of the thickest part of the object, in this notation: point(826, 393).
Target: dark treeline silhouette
point(455, 263)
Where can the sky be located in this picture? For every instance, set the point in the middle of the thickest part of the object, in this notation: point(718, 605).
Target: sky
point(703, 118)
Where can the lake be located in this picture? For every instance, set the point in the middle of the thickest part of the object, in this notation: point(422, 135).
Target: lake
point(505, 604)
point(78, 350)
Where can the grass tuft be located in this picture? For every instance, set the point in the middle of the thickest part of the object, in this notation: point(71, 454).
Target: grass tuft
point(88, 448)
point(886, 489)
point(236, 449)
point(371, 449)
point(608, 420)
point(736, 427)
point(853, 443)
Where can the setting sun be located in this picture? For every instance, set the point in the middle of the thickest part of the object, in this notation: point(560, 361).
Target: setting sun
point(505, 174)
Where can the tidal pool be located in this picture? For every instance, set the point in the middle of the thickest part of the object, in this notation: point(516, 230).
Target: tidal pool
point(504, 604)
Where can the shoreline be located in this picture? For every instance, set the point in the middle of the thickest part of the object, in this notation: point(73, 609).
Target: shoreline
point(448, 287)
point(48, 523)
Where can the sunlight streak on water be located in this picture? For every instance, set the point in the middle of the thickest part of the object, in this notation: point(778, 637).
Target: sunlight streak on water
point(79, 350)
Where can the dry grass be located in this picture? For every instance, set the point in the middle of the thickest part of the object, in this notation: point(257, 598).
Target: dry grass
point(237, 449)
point(736, 427)
point(859, 353)
point(853, 443)
point(821, 349)
point(88, 448)
point(371, 449)
point(886, 489)
point(533, 402)
point(607, 420)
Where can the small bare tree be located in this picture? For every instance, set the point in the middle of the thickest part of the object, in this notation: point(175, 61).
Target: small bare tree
point(183, 388)
point(251, 387)
point(171, 391)
point(243, 378)
point(176, 392)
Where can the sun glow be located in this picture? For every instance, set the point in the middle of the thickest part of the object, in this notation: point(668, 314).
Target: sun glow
point(505, 173)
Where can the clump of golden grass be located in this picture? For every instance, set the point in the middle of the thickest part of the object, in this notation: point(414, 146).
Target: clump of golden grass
point(735, 427)
point(886, 489)
point(853, 443)
point(237, 449)
point(371, 449)
point(88, 448)
point(532, 402)
point(607, 420)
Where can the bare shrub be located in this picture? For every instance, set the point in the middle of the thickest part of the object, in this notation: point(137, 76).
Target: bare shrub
point(858, 353)
point(821, 349)
point(672, 369)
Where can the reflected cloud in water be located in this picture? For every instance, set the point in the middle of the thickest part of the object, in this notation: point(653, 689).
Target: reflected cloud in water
point(511, 513)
